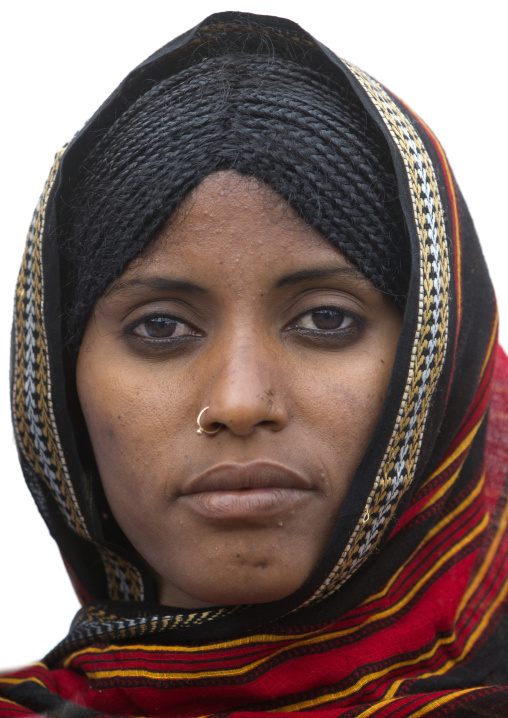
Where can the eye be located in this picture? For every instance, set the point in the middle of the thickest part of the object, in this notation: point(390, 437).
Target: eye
point(161, 327)
point(325, 319)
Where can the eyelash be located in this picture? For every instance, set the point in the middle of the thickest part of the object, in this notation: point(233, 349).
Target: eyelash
point(172, 320)
point(335, 312)
point(317, 333)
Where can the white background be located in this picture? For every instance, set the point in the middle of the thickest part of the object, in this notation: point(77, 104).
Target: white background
point(445, 58)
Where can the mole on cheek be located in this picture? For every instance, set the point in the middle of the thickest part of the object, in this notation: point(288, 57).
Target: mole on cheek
point(110, 433)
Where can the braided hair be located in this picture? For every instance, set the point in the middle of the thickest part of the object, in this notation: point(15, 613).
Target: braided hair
point(297, 130)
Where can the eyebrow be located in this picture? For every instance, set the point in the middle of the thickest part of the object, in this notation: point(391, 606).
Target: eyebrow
point(182, 285)
point(306, 274)
point(157, 283)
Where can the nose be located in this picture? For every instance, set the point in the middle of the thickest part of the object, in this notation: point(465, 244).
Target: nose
point(245, 390)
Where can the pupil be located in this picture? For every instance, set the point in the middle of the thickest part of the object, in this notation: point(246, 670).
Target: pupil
point(327, 318)
point(160, 327)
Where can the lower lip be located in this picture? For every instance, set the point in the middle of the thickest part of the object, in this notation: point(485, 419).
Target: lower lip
point(245, 503)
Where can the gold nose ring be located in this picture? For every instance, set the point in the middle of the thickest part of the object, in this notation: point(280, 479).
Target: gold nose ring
point(200, 429)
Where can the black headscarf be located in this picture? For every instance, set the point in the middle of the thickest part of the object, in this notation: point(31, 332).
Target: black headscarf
point(239, 106)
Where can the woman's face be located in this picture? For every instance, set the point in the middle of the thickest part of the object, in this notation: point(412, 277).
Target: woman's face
point(240, 307)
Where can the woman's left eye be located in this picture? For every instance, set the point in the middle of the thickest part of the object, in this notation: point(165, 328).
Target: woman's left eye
point(325, 319)
point(160, 327)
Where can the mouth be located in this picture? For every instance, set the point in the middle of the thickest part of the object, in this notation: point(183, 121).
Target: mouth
point(240, 491)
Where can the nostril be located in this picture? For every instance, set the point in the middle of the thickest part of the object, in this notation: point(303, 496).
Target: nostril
point(241, 401)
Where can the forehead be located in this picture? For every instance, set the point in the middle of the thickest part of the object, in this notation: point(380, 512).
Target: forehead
point(240, 225)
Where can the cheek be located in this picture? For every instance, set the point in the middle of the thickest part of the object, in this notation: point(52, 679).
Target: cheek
point(128, 429)
point(342, 404)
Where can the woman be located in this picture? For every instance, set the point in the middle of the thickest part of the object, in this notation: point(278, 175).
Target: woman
point(253, 355)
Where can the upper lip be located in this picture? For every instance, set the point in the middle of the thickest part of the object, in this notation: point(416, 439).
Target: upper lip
point(240, 477)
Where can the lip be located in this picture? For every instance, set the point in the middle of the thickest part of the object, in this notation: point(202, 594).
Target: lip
point(236, 491)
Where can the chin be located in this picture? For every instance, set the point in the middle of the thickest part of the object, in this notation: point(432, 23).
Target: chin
point(252, 590)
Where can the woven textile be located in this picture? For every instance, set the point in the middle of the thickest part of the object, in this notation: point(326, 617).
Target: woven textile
point(406, 613)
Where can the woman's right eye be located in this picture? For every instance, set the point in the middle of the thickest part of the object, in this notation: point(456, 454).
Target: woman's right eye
point(161, 327)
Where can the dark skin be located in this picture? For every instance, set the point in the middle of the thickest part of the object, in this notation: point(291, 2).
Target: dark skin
point(238, 306)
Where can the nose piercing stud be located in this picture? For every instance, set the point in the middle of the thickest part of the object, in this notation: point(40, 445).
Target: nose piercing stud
point(200, 429)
